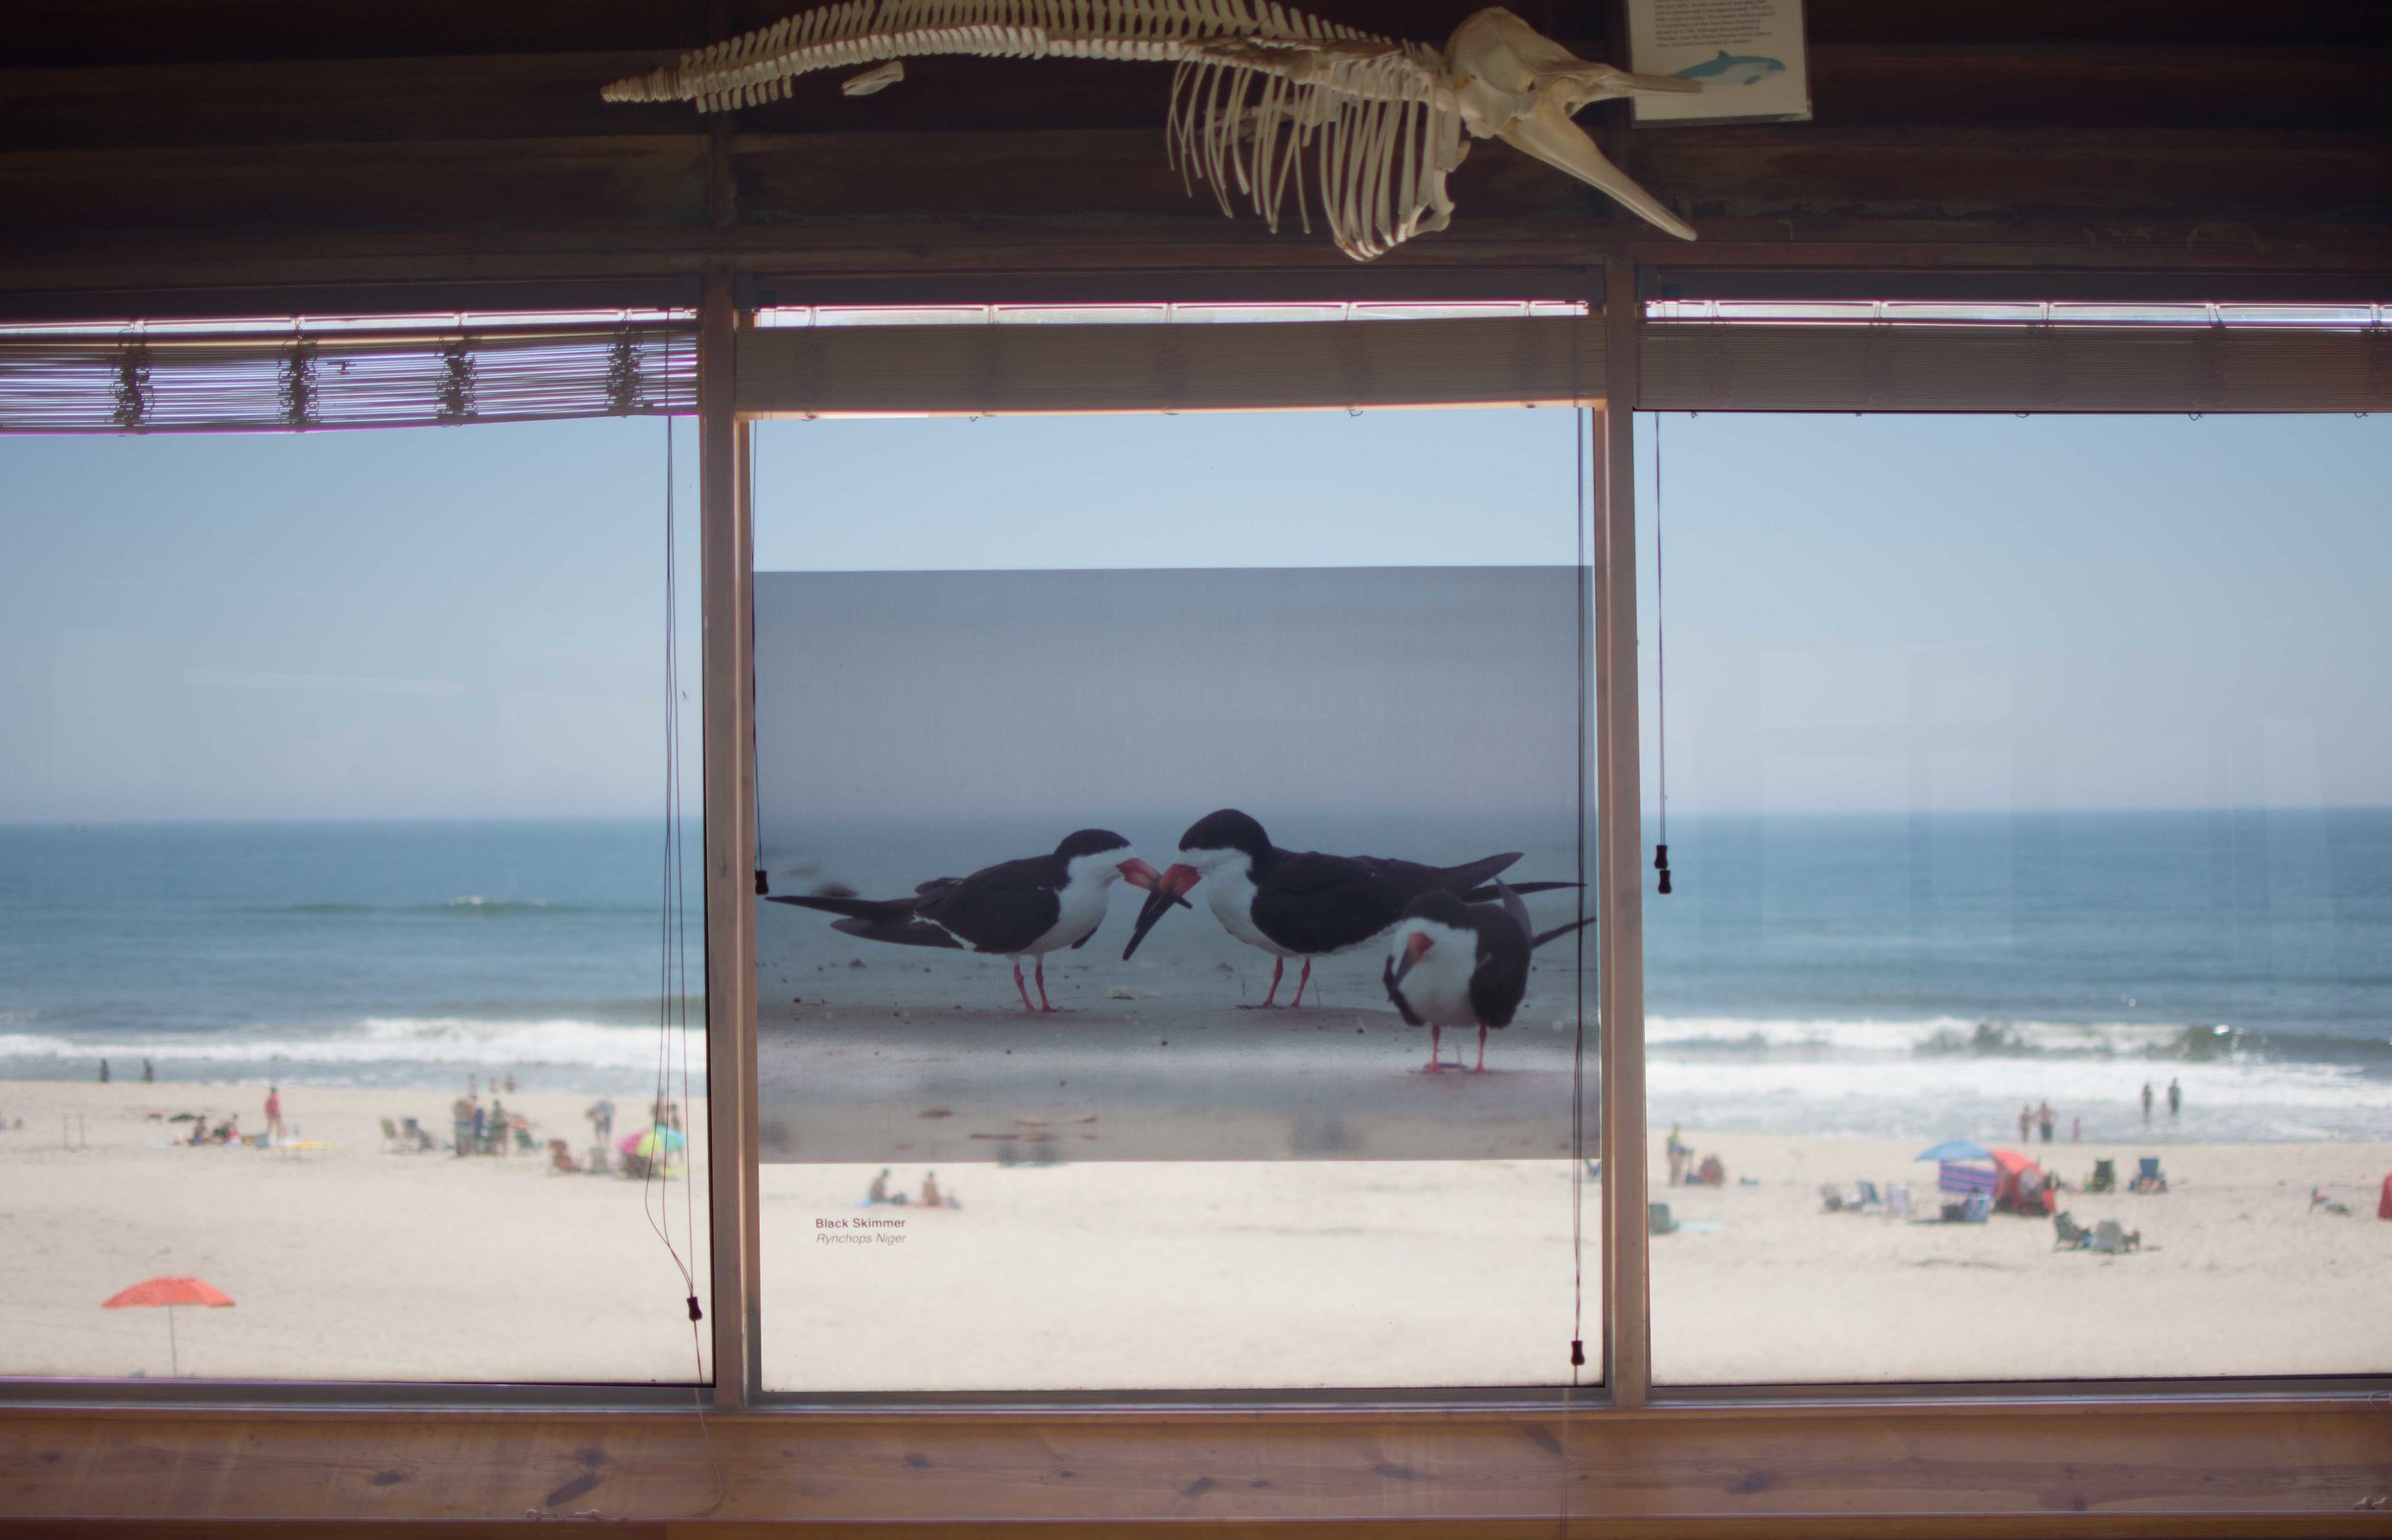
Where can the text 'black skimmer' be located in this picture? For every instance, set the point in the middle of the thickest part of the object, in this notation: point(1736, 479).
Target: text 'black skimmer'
point(1301, 903)
point(1463, 964)
point(1015, 909)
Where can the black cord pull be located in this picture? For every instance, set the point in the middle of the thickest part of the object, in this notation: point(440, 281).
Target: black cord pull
point(1661, 864)
point(1578, 1353)
point(764, 889)
point(694, 1313)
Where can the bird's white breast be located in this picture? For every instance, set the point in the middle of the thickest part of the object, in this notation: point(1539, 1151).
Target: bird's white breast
point(1437, 988)
point(1231, 885)
point(1081, 910)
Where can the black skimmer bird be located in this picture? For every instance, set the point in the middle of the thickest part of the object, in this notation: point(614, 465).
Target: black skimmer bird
point(1015, 909)
point(1301, 903)
point(1463, 964)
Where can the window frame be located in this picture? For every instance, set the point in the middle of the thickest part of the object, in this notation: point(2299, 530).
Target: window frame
point(2124, 1456)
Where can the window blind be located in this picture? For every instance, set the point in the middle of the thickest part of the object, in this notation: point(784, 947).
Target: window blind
point(1753, 367)
point(968, 371)
point(298, 377)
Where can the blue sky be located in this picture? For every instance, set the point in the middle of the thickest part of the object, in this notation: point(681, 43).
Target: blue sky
point(1881, 612)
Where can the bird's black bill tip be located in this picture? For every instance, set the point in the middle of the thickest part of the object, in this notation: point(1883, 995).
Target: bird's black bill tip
point(1157, 904)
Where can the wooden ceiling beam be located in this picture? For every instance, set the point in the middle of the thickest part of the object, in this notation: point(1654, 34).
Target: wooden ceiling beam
point(527, 96)
point(1102, 177)
point(958, 261)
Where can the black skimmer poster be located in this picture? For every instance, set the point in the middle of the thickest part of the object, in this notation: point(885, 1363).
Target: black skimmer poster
point(925, 743)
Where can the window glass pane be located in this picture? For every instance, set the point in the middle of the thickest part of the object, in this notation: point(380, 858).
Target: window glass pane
point(331, 831)
point(2026, 788)
point(975, 638)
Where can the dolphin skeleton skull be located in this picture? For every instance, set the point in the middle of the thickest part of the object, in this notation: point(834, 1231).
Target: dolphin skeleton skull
point(1258, 89)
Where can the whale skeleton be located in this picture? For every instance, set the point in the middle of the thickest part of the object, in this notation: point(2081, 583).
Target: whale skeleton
point(1256, 87)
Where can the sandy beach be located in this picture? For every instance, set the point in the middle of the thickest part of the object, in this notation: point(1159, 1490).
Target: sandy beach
point(344, 1261)
point(348, 1262)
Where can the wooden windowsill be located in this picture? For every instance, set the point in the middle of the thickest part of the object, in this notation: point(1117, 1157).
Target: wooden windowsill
point(2055, 1465)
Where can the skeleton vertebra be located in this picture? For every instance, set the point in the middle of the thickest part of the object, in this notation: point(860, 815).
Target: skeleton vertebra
point(1256, 84)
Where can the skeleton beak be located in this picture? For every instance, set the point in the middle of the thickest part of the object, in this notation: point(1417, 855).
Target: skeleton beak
point(1547, 132)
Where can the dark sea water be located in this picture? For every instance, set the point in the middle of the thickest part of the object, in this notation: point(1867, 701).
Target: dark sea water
point(1816, 973)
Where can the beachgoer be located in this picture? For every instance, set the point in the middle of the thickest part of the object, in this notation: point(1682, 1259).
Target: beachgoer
point(2175, 1097)
point(147, 1074)
point(510, 1084)
point(461, 1120)
point(601, 1116)
point(1678, 1153)
point(1710, 1174)
point(2044, 1119)
point(273, 1112)
point(500, 1124)
point(930, 1189)
point(103, 1071)
point(2026, 1120)
point(481, 1129)
point(2076, 1131)
point(472, 1087)
point(879, 1192)
point(2146, 1101)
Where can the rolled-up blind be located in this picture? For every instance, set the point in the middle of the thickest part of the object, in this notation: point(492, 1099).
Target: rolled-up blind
point(184, 381)
point(1517, 361)
point(1753, 367)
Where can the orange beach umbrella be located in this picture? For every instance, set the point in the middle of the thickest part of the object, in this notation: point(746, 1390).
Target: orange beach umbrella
point(169, 1292)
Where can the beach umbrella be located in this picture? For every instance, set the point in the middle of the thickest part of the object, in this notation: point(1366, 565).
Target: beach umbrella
point(1955, 1149)
point(169, 1293)
point(651, 1144)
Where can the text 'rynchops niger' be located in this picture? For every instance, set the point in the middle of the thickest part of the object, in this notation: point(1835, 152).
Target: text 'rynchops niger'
point(1302, 903)
point(1463, 964)
point(1015, 909)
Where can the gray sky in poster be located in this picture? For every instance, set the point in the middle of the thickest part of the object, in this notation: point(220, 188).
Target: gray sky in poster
point(1075, 694)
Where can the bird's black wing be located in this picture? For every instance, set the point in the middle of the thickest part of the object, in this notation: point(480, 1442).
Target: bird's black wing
point(1501, 981)
point(1313, 903)
point(1002, 908)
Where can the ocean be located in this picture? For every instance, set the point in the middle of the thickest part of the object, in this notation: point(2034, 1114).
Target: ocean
point(412, 953)
point(1877, 975)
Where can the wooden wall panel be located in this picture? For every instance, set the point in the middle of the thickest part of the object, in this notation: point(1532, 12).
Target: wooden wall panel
point(150, 143)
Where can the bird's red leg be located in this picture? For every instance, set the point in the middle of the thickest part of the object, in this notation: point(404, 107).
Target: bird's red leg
point(1300, 983)
point(1430, 1067)
point(1017, 984)
point(1278, 966)
point(1042, 987)
point(1482, 1050)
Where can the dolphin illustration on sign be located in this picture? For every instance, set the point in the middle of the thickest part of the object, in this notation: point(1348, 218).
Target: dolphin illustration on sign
point(1733, 69)
point(1258, 91)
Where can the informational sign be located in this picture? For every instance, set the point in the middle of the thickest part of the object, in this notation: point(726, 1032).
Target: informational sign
point(1746, 55)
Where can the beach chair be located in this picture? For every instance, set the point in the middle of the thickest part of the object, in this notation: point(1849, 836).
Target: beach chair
point(561, 1160)
point(2104, 1178)
point(1897, 1201)
point(2111, 1237)
point(1977, 1208)
point(1864, 1196)
point(1830, 1197)
point(525, 1143)
point(2148, 1176)
point(2070, 1235)
point(1657, 1217)
point(391, 1141)
point(417, 1137)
